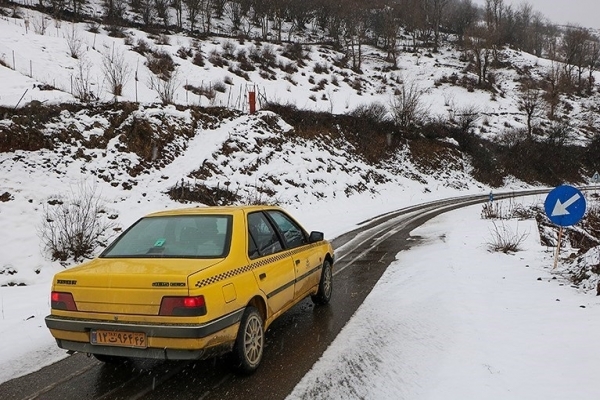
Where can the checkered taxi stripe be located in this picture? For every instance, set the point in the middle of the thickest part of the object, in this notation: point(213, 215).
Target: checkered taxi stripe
point(253, 266)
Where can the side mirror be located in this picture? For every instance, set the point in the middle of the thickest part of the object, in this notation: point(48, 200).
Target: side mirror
point(316, 237)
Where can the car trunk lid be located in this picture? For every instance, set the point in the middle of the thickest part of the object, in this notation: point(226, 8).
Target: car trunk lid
point(128, 286)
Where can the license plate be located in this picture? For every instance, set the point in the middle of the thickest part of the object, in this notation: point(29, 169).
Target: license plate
point(118, 338)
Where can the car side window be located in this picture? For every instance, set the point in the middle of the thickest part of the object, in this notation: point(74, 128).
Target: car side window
point(262, 238)
point(293, 234)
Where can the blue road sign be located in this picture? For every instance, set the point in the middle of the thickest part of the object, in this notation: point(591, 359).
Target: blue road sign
point(565, 205)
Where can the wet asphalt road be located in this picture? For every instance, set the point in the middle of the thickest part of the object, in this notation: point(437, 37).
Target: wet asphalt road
point(294, 342)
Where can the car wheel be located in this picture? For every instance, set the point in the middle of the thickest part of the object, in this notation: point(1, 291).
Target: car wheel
point(116, 360)
point(250, 342)
point(325, 285)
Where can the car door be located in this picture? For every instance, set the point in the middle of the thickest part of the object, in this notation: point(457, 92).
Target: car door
point(307, 259)
point(271, 264)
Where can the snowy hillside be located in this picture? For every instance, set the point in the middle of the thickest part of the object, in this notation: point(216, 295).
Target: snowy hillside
point(68, 62)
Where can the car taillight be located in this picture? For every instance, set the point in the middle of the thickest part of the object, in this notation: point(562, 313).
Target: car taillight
point(183, 306)
point(62, 301)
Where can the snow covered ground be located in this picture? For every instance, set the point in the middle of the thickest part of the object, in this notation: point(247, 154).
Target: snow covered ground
point(450, 320)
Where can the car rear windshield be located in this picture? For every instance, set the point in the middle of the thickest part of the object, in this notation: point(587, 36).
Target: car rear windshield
point(187, 236)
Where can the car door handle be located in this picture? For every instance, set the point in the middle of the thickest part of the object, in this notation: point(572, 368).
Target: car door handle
point(262, 276)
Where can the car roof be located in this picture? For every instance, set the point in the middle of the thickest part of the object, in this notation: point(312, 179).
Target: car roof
point(212, 210)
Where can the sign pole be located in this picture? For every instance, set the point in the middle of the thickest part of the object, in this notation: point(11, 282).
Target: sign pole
point(560, 231)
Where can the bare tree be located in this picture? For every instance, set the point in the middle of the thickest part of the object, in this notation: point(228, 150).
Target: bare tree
point(162, 11)
point(178, 6)
point(478, 44)
point(531, 102)
point(116, 71)
point(77, 5)
point(573, 50)
point(437, 13)
point(538, 34)
point(391, 30)
point(462, 17)
point(147, 10)
point(408, 108)
point(553, 91)
point(193, 8)
point(354, 30)
point(592, 60)
point(235, 14)
point(219, 6)
point(414, 19)
point(114, 10)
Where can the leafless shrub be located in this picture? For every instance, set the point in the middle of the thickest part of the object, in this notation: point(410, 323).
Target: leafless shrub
point(206, 91)
point(220, 87)
point(162, 40)
point(259, 195)
point(408, 107)
point(184, 52)
point(264, 56)
point(507, 209)
point(288, 67)
point(492, 211)
point(93, 27)
point(466, 117)
point(198, 58)
point(375, 112)
point(40, 24)
point(116, 71)
point(294, 51)
point(82, 82)
point(161, 64)
point(503, 239)
point(561, 133)
point(216, 59)
point(512, 137)
point(116, 31)
point(228, 49)
point(165, 87)
point(128, 40)
point(142, 47)
point(74, 227)
point(74, 41)
point(320, 68)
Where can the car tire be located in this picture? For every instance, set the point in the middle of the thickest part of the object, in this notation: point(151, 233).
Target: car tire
point(115, 360)
point(325, 290)
point(250, 342)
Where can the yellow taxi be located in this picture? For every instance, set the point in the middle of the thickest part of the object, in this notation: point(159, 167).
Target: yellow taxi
point(190, 284)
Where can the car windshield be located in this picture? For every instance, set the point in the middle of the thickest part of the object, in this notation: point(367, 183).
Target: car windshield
point(183, 236)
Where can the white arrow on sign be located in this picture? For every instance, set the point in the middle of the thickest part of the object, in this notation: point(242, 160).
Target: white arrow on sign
point(561, 209)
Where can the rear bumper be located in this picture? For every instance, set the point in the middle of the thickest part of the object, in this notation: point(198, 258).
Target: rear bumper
point(181, 331)
point(165, 341)
point(154, 353)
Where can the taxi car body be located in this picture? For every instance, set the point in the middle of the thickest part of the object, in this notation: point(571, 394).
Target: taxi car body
point(190, 284)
